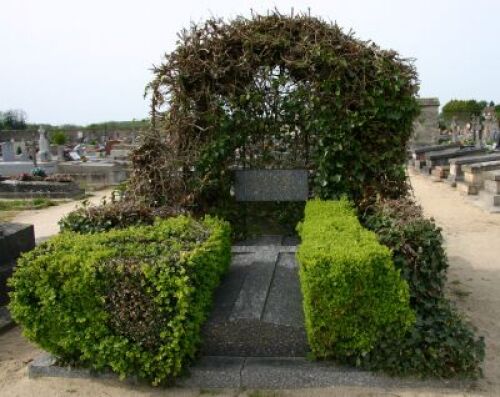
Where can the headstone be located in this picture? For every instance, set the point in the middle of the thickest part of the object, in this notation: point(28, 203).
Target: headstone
point(426, 126)
point(8, 153)
point(24, 156)
point(44, 147)
point(60, 152)
point(271, 185)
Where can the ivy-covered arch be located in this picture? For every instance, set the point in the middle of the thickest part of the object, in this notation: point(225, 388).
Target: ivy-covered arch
point(275, 91)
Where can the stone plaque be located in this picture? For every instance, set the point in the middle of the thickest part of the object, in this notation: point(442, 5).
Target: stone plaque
point(271, 185)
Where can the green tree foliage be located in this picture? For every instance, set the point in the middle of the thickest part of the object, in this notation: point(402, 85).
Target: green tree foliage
point(13, 120)
point(119, 125)
point(462, 109)
point(58, 138)
point(353, 295)
point(130, 300)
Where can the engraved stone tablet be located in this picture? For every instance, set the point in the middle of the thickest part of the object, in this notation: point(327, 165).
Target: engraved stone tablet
point(271, 185)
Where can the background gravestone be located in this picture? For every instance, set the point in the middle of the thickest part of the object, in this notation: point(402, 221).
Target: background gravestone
point(15, 238)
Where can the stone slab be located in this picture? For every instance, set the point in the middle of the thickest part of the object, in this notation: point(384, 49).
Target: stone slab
point(14, 168)
point(30, 189)
point(445, 156)
point(440, 172)
point(253, 294)
point(492, 186)
point(251, 249)
point(216, 372)
point(271, 185)
point(486, 201)
point(467, 188)
point(15, 238)
point(253, 339)
point(457, 165)
point(482, 166)
point(258, 306)
point(476, 159)
point(284, 301)
point(267, 240)
point(433, 148)
point(493, 175)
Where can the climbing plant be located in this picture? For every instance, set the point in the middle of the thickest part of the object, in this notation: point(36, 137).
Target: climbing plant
point(275, 91)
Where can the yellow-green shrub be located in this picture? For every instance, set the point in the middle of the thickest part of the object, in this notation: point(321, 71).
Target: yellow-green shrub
point(130, 300)
point(352, 293)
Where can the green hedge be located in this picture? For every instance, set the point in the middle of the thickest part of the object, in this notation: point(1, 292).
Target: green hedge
point(131, 300)
point(442, 343)
point(352, 293)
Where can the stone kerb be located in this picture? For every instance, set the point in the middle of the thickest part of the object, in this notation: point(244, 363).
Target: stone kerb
point(30, 189)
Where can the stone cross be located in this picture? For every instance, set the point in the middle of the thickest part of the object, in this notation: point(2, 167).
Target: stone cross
point(43, 145)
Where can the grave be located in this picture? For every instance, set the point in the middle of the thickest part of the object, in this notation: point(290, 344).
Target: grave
point(489, 197)
point(8, 153)
point(258, 307)
point(440, 172)
point(456, 173)
point(474, 175)
point(15, 238)
point(443, 157)
point(419, 153)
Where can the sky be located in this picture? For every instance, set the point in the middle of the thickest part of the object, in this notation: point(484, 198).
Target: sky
point(86, 61)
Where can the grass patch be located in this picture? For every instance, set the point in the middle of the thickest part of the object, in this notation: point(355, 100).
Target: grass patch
point(31, 204)
point(264, 393)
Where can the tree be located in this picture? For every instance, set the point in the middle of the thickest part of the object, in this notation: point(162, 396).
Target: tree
point(497, 111)
point(463, 109)
point(58, 138)
point(14, 119)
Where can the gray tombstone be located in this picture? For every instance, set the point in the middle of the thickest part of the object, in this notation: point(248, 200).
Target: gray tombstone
point(24, 156)
point(8, 153)
point(271, 185)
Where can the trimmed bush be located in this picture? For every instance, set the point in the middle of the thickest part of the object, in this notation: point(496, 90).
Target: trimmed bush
point(130, 300)
point(352, 293)
point(112, 215)
point(441, 343)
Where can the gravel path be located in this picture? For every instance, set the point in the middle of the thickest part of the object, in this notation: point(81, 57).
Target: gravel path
point(45, 220)
point(472, 238)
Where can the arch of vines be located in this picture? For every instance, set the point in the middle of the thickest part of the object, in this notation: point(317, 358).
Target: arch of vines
point(275, 91)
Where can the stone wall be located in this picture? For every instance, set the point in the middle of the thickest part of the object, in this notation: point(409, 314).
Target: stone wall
point(426, 126)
